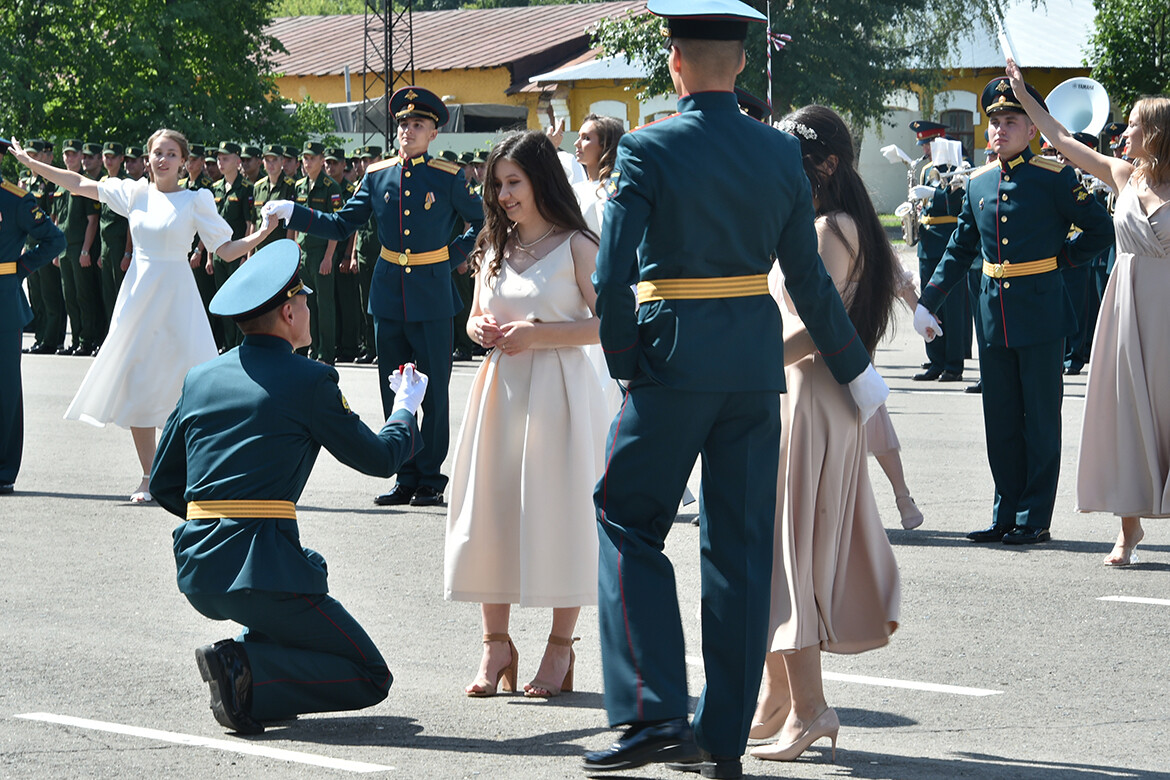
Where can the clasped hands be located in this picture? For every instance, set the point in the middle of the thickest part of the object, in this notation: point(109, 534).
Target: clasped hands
point(510, 338)
point(275, 211)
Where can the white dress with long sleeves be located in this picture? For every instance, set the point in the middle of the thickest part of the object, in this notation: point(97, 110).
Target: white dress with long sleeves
point(159, 329)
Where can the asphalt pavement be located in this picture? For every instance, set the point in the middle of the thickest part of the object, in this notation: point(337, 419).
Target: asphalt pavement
point(1028, 662)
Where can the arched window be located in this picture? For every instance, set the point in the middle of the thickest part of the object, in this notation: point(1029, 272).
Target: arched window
point(960, 126)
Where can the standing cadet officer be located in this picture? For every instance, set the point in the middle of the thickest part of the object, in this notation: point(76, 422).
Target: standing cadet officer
point(232, 461)
point(292, 162)
point(346, 297)
point(317, 191)
point(696, 386)
point(417, 201)
point(1016, 215)
point(252, 163)
point(78, 219)
point(135, 162)
point(114, 229)
point(274, 185)
point(940, 215)
point(21, 218)
point(44, 285)
point(197, 179)
point(233, 200)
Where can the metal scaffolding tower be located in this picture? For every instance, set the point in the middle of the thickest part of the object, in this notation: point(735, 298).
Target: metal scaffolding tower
point(387, 63)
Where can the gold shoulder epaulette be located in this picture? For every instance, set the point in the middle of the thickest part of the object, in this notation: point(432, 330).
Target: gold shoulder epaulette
point(383, 164)
point(302, 181)
point(1046, 163)
point(17, 191)
point(982, 169)
point(443, 165)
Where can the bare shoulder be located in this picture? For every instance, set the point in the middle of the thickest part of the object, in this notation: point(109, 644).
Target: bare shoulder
point(582, 245)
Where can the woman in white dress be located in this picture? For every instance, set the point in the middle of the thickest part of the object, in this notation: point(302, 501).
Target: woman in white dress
point(159, 329)
point(520, 522)
point(1124, 462)
point(596, 149)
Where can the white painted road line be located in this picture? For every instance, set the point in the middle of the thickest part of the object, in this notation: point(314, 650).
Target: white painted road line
point(1136, 600)
point(248, 748)
point(886, 682)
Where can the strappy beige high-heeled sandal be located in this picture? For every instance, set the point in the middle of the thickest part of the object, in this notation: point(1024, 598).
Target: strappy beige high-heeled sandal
point(532, 690)
point(483, 687)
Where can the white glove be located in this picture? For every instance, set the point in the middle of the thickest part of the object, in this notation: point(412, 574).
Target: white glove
point(869, 391)
point(921, 192)
point(959, 182)
point(277, 210)
point(409, 386)
point(894, 154)
point(926, 324)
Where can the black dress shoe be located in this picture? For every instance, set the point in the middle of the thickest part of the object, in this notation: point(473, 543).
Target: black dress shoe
point(460, 354)
point(1074, 369)
point(426, 496)
point(926, 365)
point(33, 349)
point(1023, 534)
point(43, 349)
point(722, 767)
point(646, 743)
point(85, 351)
point(401, 494)
point(364, 358)
point(65, 350)
point(6, 488)
point(929, 375)
point(951, 376)
point(224, 667)
point(994, 533)
point(976, 388)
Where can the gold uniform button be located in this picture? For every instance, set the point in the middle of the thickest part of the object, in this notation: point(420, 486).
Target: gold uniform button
point(406, 212)
point(407, 233)
point(1006, 177)
point(406, 174)
point(1005, 284)
point(408, 269)
point(1003, 219)
point(1004, 241)
point(1003, 197)
point(407, 193)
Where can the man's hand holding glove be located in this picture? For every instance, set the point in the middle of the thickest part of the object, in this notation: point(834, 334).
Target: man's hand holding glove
point(926, 323)
point(869, 391)
point(275, 210)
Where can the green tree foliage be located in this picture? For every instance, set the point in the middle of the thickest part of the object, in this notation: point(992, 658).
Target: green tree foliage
point(120, 69)
point(844, 53)
point(1130, 52)
point(318, 7)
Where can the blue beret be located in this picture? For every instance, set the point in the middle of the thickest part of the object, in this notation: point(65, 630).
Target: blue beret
point(266, 281)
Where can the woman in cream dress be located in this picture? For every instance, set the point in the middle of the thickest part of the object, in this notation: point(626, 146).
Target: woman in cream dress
point(1124, 463)
point(520, 523)
point(159, 329)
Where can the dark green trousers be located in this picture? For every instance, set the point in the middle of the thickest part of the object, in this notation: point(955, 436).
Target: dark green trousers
point(653, 444)
point(46, 299)
point(205, 282)
point(1023, 388)
point(322, 308)
point(306, 651)
point(232, 337)
point(348, 304)
point(11, 405)
point(82, 289)
point(464, 284)
point(112, 276)
point(946, 354)
point(369, 344)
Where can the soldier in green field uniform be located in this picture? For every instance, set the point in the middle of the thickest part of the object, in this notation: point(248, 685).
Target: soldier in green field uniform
point(273, 185)
point(135, 162)
point(347, 297)
point(319, 192)
point(252, 162)
point(197, 179)
point(233, 199)
point(44, 284)
point(365, 249)
point(114, 230)
point(78, 219)
point(292, 162)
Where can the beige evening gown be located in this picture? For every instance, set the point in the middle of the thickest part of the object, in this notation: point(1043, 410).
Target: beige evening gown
point(520, 522)
point(1124, 463)
point(835, 582)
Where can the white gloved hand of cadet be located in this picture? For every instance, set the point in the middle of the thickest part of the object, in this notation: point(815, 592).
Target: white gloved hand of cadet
point(409, 386)
point(921, 192)
point(926, 324)
point(869, 391)
point(277, 210)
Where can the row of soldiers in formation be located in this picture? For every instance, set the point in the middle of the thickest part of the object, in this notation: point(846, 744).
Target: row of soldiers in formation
point(82, 285)
point(938, 218)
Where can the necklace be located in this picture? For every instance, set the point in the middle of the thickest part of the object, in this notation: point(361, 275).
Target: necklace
point(525, 247)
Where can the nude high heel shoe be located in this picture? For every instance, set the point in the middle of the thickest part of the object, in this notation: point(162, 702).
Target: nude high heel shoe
point(1128, 555)
point(767, 728)
point(823, 725)
point(911, 514)
point(550, 689)
point(483, 687)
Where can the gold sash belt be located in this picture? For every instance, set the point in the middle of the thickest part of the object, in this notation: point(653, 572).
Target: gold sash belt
point(938, 220)
point(415, 258)
point(216, 510)
point(694, 289)
point(1003, 270)
point(7, 269)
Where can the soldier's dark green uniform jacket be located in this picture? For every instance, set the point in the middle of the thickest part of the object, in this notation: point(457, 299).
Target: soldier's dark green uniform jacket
point(249, 426)
point(940, 217)
point(1019, 211)
point(81, 286)
point(44, 285)
point(234, 203)
point(20, 219)
point(264, 191)
point(704, 376)
point(321, 195)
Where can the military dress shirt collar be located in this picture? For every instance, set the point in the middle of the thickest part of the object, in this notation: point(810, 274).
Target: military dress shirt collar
point(267, 341)
point(1006, 166)
point(422, 158)
point(708, 101)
